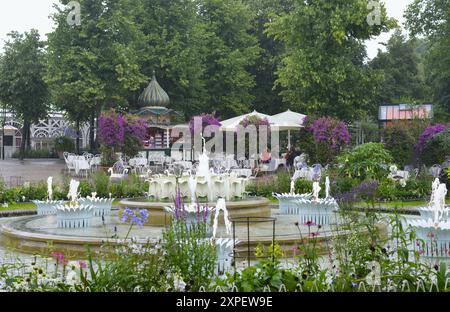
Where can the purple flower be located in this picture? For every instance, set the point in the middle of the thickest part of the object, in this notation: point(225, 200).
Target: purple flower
point(429, 133)
point(114, 128)
point(207, 120)
point(139, 218)
point(327, 129)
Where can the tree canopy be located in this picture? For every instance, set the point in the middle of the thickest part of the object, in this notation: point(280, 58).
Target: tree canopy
point(22, 87)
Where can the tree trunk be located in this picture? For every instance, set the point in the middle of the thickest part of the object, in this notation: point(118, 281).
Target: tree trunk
point(28, 142)
point(92, 128)
point(24, 139)
point(78, 136)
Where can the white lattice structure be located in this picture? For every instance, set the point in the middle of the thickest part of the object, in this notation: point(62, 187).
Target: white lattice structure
point(43, 133)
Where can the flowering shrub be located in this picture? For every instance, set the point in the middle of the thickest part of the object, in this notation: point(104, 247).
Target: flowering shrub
point(429, 134)
point(324, 138)
point(255, 121)
point(121, 133)
point(207, 120)
point(330, 130)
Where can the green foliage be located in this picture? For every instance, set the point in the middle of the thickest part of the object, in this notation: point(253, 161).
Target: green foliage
point(128, 268)
point(22, 86)
point(35, 154)
point(100, 183)
point(266, 274)
point(322, 69)
point(437, 149)
point(266, 185)
point(303, 186)
point(85, 189)
point(400, 138)
point(416, 188)
point(401, 66)
point(343, 184)
point(190, 253)
point(64, 144)
point(367, 161)
point(431, 18)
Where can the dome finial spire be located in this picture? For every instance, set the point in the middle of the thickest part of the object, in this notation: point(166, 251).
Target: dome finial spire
point(154, 95)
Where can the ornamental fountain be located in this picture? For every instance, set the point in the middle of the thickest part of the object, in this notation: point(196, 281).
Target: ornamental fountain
point(309, 207)
point(74, 214)
point(433, 227)
point(47, 207)
point(102, 206)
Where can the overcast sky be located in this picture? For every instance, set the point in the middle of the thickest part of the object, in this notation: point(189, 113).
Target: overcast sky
point(23, 15)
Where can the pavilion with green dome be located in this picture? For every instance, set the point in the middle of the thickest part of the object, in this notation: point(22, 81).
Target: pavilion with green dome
point(154, 102)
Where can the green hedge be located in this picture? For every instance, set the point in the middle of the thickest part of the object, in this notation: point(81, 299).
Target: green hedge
point(99, 183)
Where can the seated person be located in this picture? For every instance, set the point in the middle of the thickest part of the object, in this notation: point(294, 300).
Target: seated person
point(266, 157)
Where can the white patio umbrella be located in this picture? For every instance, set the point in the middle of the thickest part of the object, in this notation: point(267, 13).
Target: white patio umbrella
point(232, 123)
point(287, 120)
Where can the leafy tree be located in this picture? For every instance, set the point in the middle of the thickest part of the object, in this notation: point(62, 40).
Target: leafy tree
point(432, 19)
point(266, 95)
point(22, 87)
point(403, 80)
point(176, 48)
point(231, 51)
point(323, 68)
point(94, 65)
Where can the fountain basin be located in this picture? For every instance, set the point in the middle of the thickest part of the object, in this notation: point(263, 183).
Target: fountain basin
point(249, 207)
point(74, 217)
point(102, 206)
point(47, 207)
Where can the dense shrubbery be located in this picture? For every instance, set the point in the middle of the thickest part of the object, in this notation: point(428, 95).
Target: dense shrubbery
point(367, 161)
point(399, 139)
point(64, 144)
point(437, 148)
point(324, 138)
point(267, 185)
point(99, 183)
point(39, 153)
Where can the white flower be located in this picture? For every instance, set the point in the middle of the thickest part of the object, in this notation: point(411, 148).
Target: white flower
point(179, 284)
point(72, 278)
point(393, 168)
point(402, 182)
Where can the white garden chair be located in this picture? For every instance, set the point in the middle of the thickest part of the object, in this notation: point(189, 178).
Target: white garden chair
point(183, 183)
point(202, 187)
point(220, 187)
point(118, 171)
point(69, 163)
point(153, 188)
point(167, 187)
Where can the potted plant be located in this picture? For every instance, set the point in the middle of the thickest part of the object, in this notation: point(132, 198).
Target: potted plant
point(64, 144)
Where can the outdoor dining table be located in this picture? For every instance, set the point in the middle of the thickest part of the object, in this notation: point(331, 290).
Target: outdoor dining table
point(242, 172)
point(80, 163)
point(138, 161)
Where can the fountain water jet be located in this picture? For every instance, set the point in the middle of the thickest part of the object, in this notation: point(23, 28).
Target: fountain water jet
point(434, 226)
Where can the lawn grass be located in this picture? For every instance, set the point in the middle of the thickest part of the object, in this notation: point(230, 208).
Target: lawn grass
point(30, 206)
point(19, 206)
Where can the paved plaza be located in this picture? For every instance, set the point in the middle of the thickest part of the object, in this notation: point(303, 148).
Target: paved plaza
point(14, 171)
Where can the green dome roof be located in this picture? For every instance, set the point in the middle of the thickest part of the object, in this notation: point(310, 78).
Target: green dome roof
point(154, 95)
